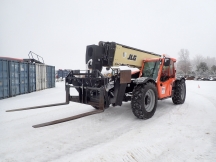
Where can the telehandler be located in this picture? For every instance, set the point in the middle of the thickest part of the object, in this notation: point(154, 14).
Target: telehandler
point(151, 77)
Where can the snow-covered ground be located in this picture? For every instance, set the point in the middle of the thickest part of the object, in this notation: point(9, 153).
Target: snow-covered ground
point(175, 133)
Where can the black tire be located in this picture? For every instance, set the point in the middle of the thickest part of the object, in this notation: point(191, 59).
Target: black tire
point(144, 100)
point(179, 92)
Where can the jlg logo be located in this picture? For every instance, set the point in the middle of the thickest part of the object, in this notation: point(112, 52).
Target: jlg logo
point(132, 57)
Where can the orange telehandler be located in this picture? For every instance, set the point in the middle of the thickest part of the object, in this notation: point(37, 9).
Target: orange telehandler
point(154, 79)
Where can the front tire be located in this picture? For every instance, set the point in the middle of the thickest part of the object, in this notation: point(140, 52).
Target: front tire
point(144, 100)
point(179, 92)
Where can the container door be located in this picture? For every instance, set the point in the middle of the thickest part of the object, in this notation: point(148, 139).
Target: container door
point(38, 77)
point(4, 79)
point(53, 76)
point(42, 73)
point(49, 76)
point(41, 77)
point(47, 79)
point(14, 78)
point(44, 77)
point(23, 78)
point(32, 77)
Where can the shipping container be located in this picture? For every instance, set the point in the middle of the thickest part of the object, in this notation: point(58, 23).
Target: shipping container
point(43, 73)
point(14, 78)
point(40, 76)
point(50, 76)
point(60, 73)
point(4, 79)
point(20, 77)
point(24, 78)
point(32, 77)
point(53, 76)
point(66, 72)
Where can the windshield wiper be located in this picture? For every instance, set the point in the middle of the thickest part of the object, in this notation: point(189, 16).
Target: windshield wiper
point(153, 69)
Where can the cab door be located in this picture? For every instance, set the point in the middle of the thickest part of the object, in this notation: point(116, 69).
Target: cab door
point(166, 79)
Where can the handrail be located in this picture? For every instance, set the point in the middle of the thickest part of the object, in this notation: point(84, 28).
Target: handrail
point(32, 57)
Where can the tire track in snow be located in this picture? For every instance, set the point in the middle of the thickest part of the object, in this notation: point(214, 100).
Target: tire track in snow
point(176, 156)
point(116, 135)
point(122, 140)
point(91, 136)
point(149, 152)
point(211, 99)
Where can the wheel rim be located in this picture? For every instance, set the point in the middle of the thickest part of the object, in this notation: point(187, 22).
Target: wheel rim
point(182, 91)
point(149, 100)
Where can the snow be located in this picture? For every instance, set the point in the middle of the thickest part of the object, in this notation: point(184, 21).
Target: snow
point(175, 133)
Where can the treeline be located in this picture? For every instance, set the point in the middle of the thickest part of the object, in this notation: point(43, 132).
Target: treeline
point(197, 66)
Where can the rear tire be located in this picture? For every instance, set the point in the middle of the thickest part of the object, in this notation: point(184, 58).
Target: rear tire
point(144, 100)
point(179, 92)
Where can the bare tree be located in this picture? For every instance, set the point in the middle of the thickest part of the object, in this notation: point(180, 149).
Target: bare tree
point(213, 68)
point(210, 61)
point(196, 61)
point(184, 63)
point(202, 69)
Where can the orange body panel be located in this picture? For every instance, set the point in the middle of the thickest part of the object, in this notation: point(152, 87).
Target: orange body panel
point(134, 71)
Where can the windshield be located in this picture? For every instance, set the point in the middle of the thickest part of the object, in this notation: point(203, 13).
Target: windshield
point(151, 69)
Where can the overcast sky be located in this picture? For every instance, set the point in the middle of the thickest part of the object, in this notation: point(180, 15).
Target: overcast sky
point(60, 30)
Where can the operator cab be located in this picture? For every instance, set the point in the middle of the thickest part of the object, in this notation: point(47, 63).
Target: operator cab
point(168, 70)
point(151, 67)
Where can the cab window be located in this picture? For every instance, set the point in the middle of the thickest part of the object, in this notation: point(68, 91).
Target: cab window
point(171, 73)
point(151, 69)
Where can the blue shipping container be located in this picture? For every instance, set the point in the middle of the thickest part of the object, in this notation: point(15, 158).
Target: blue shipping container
point(66, 72)
point(50, 76)
point(4, 79)
point(32, 77)
point(60, 74)
point(53, 76)
point(17, 77)
point(24, 78)
point(14, 79)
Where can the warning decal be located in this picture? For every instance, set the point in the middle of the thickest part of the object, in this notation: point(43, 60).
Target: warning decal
point(163, 89)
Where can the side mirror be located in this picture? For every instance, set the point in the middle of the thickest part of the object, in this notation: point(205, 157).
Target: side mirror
point(167, 62)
